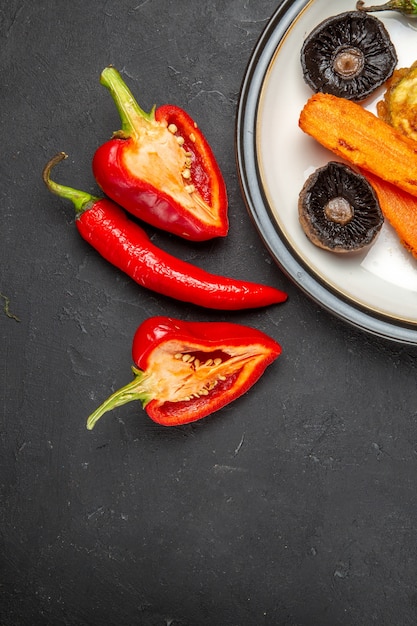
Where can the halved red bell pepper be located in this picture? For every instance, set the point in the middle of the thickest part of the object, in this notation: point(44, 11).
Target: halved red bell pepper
point(160, 168)
point(185, 371)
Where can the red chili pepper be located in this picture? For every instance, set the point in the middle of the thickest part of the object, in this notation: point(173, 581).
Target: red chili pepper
point(187, 370)
point(123, 243)
point(160, 168)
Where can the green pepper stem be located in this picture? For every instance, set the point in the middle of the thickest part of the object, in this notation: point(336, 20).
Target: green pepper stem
point(382, 7)
point(81, 199)
point(135, 390)
point(407, 7)
point(129, 110)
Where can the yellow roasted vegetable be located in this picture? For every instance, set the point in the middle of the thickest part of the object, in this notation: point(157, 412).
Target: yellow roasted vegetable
point(399, 106)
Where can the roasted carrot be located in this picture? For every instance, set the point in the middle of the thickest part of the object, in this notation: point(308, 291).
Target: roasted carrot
point(361, 138)
point(399, 208)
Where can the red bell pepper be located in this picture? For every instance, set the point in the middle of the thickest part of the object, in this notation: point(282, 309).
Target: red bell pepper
point(185, 371)
point(125, 244)
point(160, 168)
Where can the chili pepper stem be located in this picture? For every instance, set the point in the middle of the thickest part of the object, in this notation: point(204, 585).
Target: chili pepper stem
point(129, 110)
point(135, 390)
point(81, 199)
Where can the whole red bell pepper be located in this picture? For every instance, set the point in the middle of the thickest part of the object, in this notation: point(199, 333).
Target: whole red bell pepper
point(160, 168)
point(125, 244)
point(185, 371)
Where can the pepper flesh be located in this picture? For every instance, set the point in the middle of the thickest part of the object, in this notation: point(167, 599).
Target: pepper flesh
point(406, 7)
point(160, 168)
point(185, 371)
point(125, 244)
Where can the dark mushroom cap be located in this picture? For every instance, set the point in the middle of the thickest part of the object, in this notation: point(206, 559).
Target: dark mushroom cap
point(338, 209)
point(349, 55)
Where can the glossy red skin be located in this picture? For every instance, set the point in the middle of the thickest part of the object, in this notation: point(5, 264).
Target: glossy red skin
point(213, 335)
point(153, 205)
point(124, 244)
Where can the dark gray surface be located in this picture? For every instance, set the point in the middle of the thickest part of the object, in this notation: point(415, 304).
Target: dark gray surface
point(294, 506)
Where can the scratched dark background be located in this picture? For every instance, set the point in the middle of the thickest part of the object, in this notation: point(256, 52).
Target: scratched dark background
point(294, 506)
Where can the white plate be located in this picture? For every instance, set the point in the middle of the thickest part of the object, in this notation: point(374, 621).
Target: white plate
point(375, 290)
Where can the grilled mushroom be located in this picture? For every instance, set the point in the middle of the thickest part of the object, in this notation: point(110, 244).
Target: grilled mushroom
point(338, 209)
point(348, 55)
